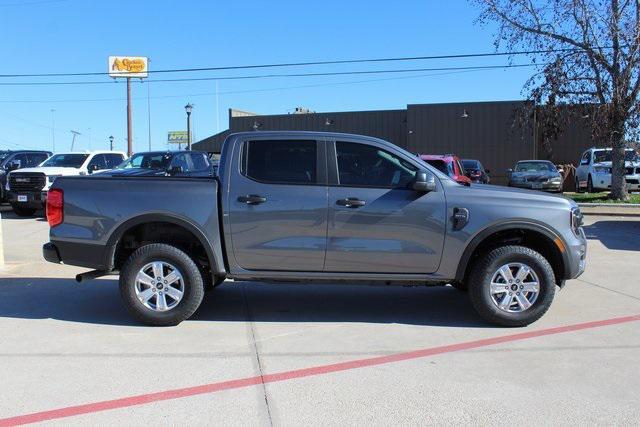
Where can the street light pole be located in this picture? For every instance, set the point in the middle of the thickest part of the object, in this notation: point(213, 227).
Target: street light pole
point(188, 109)
point(111, 143)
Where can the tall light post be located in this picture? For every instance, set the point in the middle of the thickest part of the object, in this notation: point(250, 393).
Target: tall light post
point(188, 109)
point(111, 143)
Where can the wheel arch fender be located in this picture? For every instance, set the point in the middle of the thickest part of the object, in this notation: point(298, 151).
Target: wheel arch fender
point(517, 224)
point(215, 262)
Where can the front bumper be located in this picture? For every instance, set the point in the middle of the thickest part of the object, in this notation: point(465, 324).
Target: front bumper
point(36, 200)
point(540, 186)
point(603, 181)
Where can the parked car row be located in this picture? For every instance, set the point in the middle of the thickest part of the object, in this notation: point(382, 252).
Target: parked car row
point(463, 171)
point(26, 176)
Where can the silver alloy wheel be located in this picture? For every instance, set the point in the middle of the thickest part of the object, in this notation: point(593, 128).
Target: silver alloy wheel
point(515, 287)
point(159, 286)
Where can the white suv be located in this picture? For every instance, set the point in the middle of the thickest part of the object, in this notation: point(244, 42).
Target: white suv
point(27, 188)
point(594, 171)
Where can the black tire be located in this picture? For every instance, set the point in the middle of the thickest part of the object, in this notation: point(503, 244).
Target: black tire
point(23, 212)
point(193, 285)
point(590, 185)
point(480, 279)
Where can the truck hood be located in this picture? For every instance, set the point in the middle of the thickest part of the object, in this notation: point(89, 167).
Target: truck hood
point(523, 195)
point(608, 164)
point(51, 171)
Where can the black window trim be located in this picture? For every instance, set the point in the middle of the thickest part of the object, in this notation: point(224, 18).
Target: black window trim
point(334, 177)
point(321, 162)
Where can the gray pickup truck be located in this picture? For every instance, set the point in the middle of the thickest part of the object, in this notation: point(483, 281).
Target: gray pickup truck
point(316, 207)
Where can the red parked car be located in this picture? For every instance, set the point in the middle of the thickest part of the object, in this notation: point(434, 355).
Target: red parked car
point(448, 164)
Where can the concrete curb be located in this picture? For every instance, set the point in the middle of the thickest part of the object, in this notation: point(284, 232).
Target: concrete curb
point(610, 209)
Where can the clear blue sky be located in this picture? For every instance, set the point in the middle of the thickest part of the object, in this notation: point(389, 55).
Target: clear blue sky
point(78, 35)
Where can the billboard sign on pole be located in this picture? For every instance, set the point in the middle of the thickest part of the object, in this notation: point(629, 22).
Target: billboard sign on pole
point(128, 66)
point(178, 137)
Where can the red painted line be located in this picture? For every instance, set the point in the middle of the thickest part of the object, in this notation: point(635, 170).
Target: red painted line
point(298, 373)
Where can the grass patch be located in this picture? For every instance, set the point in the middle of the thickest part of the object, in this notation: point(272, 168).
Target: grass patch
point(599, 198)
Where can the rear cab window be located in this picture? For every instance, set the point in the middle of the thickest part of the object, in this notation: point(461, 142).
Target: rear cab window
point(280, 161)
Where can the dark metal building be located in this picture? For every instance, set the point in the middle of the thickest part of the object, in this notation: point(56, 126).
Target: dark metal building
point(496, 133)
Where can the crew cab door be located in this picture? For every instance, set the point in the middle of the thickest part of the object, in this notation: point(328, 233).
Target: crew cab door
point(277, 204)
point(377, 223)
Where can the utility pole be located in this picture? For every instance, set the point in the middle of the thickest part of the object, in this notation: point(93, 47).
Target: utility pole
point(129, 123)
point(73, 140)
point(149, 112)
point(53, 130)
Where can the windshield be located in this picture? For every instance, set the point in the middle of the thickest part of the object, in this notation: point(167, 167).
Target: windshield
point(535, 167)
point(66, 160)
point(605, 156)
point(471, 164)
point(158, 161)
point(441, 165)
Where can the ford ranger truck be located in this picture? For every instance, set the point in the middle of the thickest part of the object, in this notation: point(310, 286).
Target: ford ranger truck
point(316, 207)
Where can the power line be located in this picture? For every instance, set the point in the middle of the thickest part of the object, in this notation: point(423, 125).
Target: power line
point(311, 63)
point(232, 92)
point(289, 75)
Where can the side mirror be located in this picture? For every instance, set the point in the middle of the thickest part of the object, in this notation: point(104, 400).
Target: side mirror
point(13, 165)
point(175, 170)
point(424, 182)
point(93, 168)
point(509, 171)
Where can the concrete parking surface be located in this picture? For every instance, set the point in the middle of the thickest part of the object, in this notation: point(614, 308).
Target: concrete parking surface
point(70, 354)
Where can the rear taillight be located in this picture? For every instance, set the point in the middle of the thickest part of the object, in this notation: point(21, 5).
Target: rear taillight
point(55, 207)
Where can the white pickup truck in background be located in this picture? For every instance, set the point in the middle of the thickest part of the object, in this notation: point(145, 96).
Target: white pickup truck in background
point(27, 188)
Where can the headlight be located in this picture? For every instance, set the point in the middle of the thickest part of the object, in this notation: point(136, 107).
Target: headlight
point(601, 169)
point(556, 180)
point(576, 221)
point(52, 178)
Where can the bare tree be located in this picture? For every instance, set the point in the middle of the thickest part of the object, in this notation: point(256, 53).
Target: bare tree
point(589, 52)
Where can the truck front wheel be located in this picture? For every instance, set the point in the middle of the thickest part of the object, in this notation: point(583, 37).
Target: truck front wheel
point(512, 286)
point(161, 285)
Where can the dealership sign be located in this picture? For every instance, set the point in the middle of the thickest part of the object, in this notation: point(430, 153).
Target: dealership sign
point(178, 137)
point(128, 66)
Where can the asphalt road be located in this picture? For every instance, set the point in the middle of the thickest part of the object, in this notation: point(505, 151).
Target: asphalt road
point(260, 354)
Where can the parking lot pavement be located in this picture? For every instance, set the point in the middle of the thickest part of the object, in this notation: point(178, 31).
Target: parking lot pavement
point(66, 344)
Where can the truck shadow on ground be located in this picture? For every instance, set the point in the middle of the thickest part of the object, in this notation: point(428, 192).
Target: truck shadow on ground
point(615, 234)
point(99, 302)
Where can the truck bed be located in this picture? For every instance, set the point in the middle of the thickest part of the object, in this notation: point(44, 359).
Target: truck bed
point(93, 223)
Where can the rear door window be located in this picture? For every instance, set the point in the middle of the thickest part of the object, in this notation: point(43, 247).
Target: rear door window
point(200, 162)
point(280, 161)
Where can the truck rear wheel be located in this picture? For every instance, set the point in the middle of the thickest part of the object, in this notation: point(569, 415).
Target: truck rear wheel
point(23, 212)
point(161, 285)
point(512, 286)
